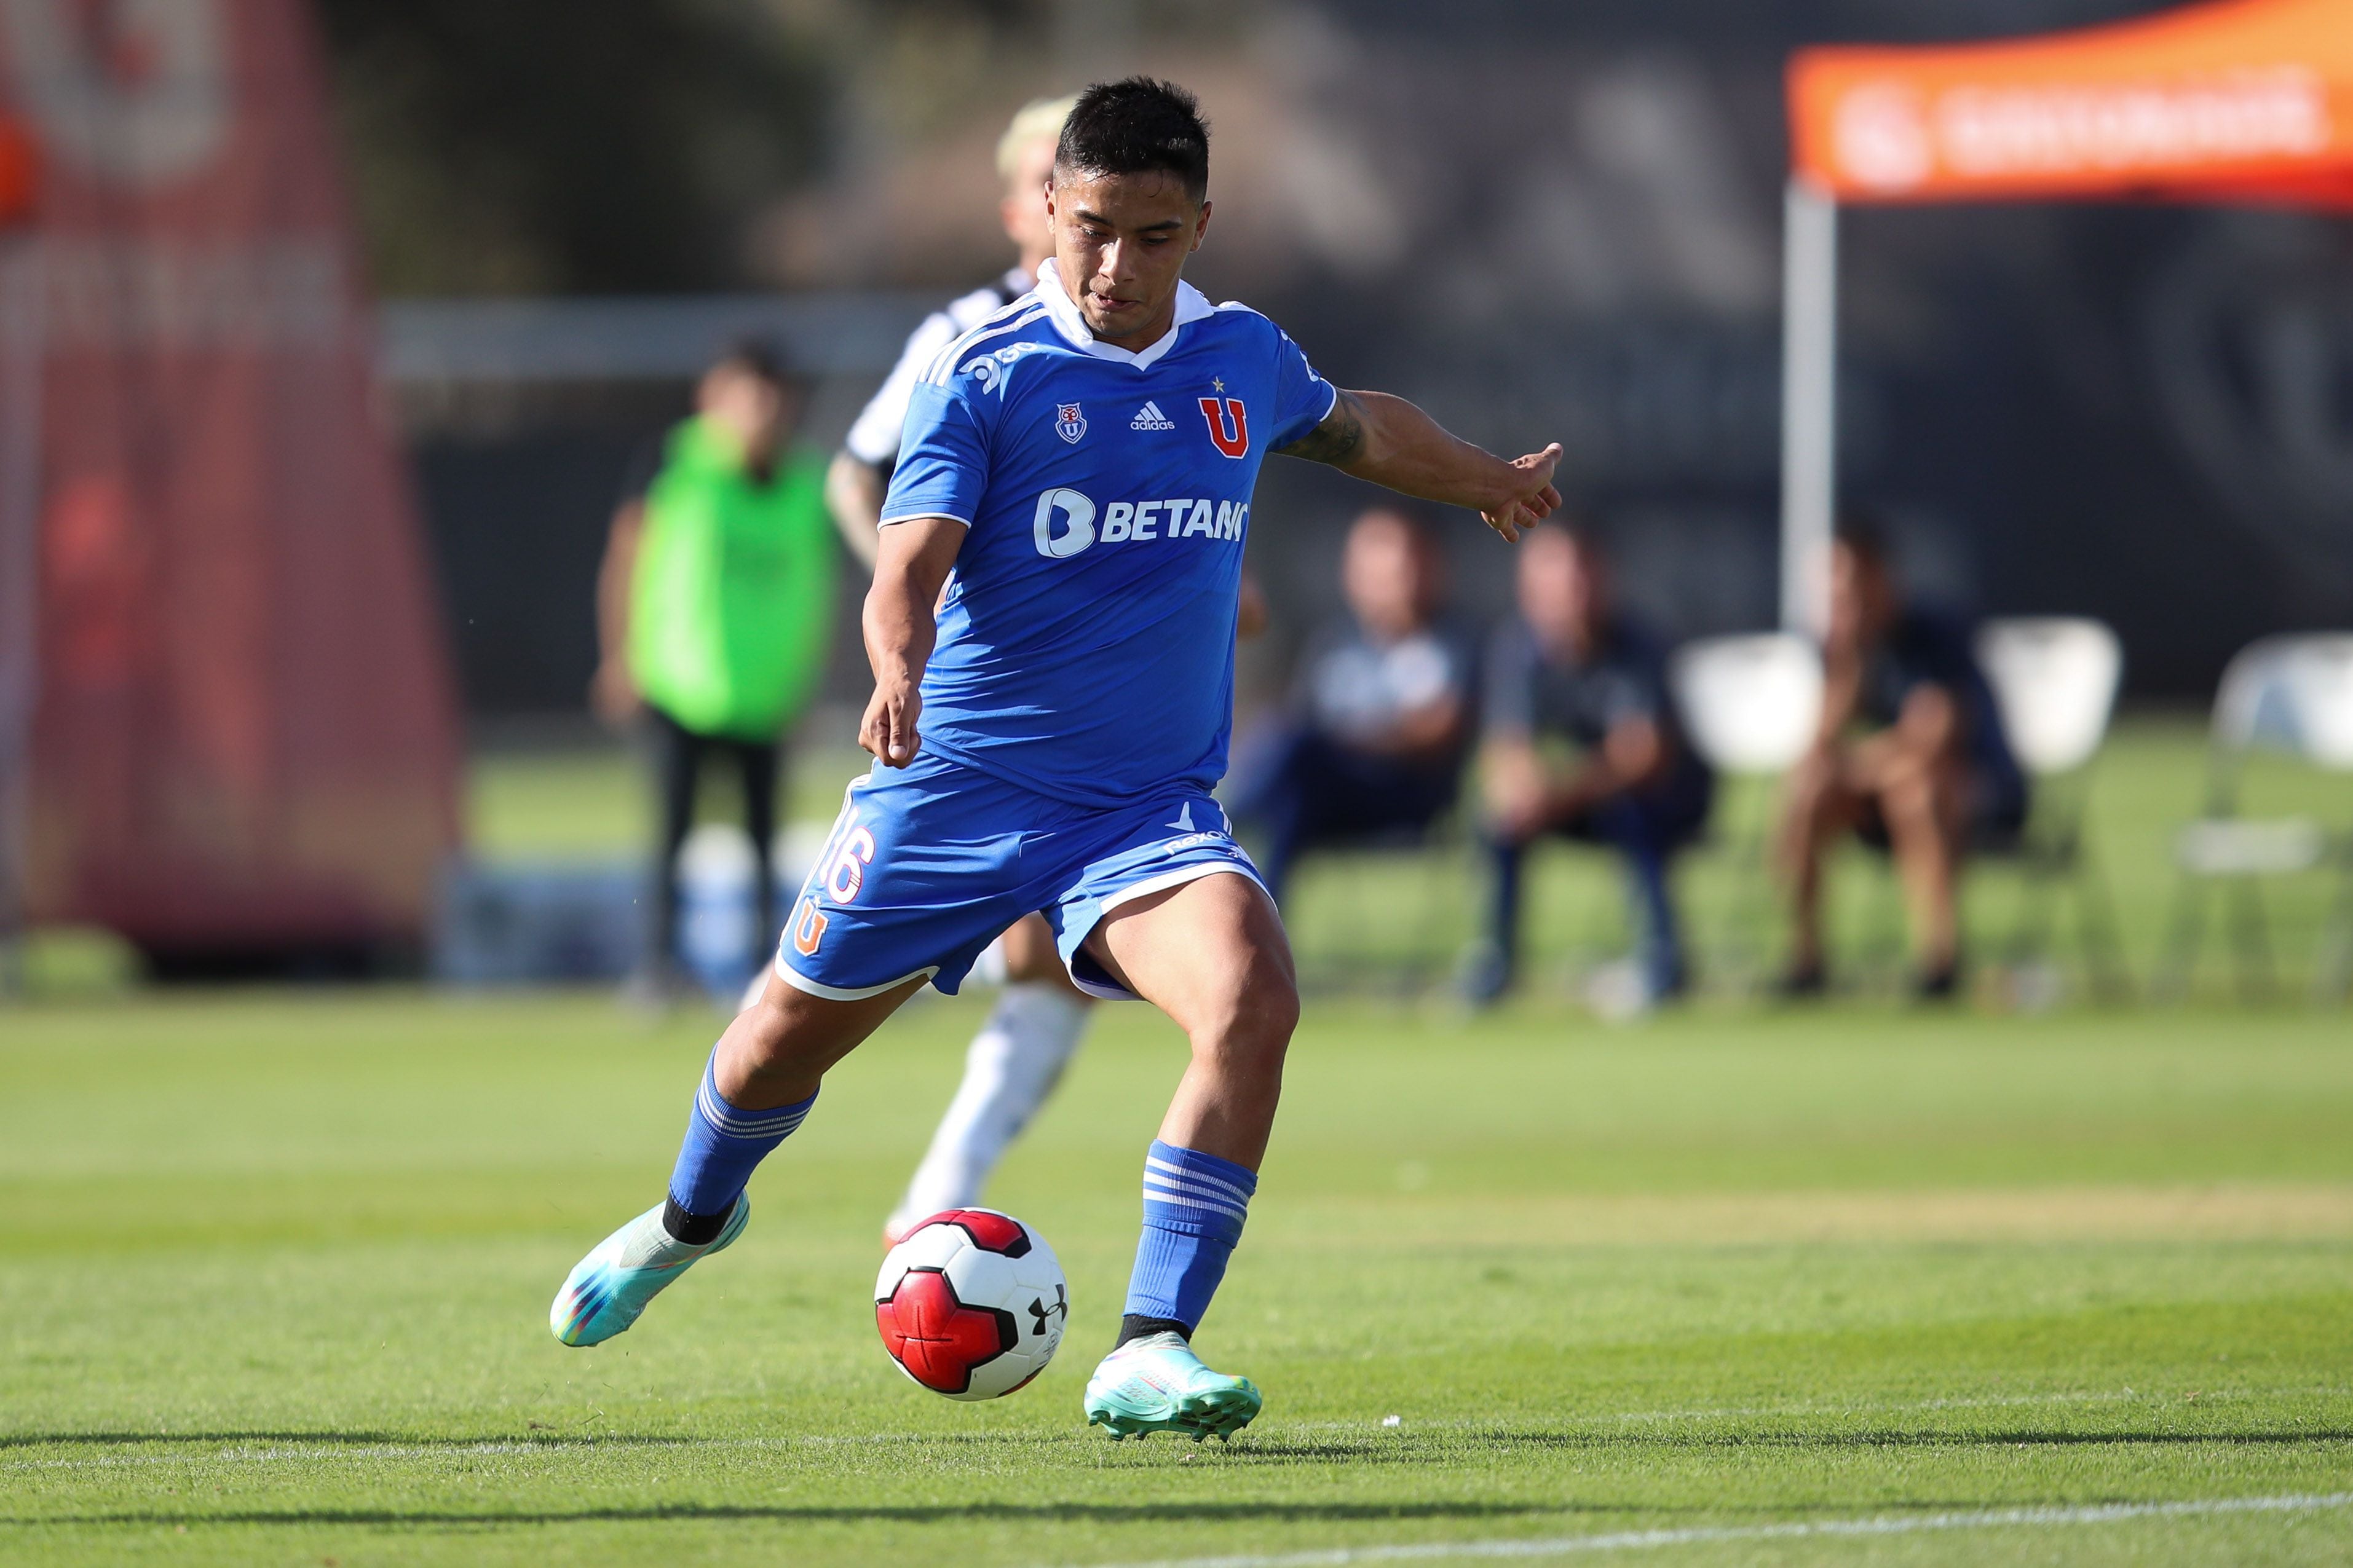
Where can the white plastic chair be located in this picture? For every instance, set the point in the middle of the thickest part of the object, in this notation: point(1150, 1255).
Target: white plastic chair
point(2294, 694)
point(2054, 680)
point(2287, 694)
point(1750, 706)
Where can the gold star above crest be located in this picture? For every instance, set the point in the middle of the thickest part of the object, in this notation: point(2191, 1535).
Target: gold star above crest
point(1218, 384)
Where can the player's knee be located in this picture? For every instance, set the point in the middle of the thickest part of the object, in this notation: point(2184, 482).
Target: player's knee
point(1276, 1008)
point(1253, 1027)
point(1909, 801)
point(787, 1031)
point(763, 1031)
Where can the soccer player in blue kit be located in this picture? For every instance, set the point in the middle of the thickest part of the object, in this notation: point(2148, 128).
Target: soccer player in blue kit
point(1076, 472)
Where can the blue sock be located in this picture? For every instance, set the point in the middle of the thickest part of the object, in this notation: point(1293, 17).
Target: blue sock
point(1193, 1206)
point(723, 1145)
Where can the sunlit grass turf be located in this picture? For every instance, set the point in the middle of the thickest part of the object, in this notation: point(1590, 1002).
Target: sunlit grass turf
point(276, 1270)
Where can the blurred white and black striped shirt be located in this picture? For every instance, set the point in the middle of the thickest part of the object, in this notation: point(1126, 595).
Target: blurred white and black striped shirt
point(875, 438)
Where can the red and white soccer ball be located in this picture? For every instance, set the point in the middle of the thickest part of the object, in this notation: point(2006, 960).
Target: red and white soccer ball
point(972, 1303)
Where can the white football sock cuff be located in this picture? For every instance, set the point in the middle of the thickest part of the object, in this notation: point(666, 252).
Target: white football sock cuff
point(1010, 1069)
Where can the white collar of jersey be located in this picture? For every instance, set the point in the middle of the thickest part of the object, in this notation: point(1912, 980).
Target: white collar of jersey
point(1192, 305)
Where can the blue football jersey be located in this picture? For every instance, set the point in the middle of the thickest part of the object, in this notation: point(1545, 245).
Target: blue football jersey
point(1086, 646)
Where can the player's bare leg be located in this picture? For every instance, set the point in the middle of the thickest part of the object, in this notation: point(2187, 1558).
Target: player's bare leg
point(1010, 1069)
point(1212, 954)
point(1821, 806)
point(762, 1079)
point(1030, 958)
point(1922, 800)
point(776, 1052)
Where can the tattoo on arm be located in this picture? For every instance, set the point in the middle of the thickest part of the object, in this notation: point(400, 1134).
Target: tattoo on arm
point(1336, 440)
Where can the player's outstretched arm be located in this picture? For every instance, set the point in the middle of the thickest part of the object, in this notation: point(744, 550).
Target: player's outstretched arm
point(1387, 441)
point(912, 566)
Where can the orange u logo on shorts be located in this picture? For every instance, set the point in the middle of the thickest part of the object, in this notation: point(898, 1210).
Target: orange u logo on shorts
point(808, 928)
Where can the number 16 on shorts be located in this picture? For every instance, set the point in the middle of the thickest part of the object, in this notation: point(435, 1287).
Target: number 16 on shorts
point(840, 873)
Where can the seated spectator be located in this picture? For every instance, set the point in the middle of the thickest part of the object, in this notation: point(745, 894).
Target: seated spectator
point(1384, 707)
point(1911, 758)
point(1575, 667)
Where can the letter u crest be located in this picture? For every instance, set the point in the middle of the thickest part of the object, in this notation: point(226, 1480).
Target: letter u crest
point(1228, 424)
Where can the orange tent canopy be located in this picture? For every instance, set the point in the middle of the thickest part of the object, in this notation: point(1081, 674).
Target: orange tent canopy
point(2233, 100)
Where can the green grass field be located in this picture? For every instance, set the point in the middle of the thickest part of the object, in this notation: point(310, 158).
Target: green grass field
point(2073, 1288)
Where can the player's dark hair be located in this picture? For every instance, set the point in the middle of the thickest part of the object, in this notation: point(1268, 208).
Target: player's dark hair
point(1586, 534)
point(1416, 519)
point(763, 358)
point(1135, 126)
point(1861, 532)
point(1581, 533)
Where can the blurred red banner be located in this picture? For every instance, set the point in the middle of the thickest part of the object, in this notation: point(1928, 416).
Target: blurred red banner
point(244, 734)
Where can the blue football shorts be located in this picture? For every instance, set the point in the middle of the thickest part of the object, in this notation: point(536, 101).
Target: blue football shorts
point(926, 865)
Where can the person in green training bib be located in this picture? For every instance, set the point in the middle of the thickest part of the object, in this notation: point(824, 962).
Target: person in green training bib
point(714, 614)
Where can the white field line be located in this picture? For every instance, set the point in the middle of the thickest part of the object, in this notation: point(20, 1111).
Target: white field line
point(1988, 1402)
point(1641, 1539)
point(1725, 1412)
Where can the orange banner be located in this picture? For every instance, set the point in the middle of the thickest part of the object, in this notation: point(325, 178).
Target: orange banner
point(2245, 100)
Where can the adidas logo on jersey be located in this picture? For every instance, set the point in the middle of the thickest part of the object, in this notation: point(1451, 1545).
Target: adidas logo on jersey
point(1149, 417)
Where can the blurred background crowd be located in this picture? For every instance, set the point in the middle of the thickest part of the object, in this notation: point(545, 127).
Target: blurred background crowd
point(352, 351)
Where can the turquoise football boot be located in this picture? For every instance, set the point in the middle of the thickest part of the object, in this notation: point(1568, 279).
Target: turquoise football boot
point(1157, 1385)
point(606, 1290)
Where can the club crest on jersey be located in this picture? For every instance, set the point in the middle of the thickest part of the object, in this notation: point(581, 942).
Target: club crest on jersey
point(1069, 423)
point(1229, 425)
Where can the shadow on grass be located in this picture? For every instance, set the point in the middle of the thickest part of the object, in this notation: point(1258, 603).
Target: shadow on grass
point(550, 1438)
point(1382, 1448)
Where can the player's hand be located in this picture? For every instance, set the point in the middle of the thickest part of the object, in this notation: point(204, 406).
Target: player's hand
point(1529, 497)
point(888, 730)
point(1251, 611)
point(1517, 793)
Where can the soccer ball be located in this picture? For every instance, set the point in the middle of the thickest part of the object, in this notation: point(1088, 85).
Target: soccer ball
point(972, 1304)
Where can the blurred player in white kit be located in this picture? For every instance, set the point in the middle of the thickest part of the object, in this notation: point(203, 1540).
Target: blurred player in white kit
point(1040, 1016)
